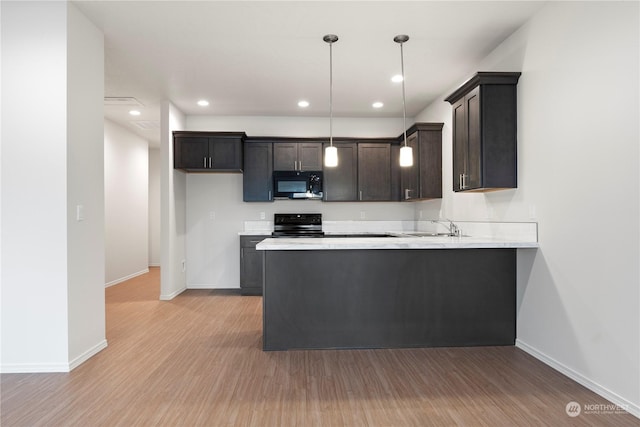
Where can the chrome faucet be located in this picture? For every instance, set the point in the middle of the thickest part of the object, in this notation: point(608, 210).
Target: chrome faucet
point(454, 230)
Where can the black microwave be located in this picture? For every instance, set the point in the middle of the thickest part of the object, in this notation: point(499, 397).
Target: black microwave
point(297, 184)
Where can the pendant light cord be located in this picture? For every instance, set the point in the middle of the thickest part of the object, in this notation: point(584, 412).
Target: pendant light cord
point(331, 94)
point(404, 106)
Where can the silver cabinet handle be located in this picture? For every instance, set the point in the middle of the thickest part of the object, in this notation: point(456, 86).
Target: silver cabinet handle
point(460, 181)
point(209, 162)
point(269, 194)
point(205, 162)
point(360, 194)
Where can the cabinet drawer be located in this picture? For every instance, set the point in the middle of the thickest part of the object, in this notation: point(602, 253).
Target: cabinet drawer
point(251, 241)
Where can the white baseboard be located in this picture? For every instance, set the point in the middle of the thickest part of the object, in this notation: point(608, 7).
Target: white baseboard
point(87, 355)
point(611, 396)
point(30, 368)
point(125, 278)
point(210, 286)
point(40, 368)
point(172, 295)
point(155, 265)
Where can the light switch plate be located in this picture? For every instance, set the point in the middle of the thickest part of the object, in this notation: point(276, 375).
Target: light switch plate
point(79, 213)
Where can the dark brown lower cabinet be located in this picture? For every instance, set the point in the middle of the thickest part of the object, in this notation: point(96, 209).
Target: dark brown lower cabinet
point(251, 265)
point(389, 298)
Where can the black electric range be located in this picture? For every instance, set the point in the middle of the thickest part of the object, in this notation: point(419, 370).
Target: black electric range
point(297, 225)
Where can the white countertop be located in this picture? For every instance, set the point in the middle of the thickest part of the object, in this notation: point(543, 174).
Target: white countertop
point(255, 233)
point(403, 242)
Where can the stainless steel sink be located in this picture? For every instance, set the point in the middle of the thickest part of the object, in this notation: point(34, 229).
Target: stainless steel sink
point(360, 235)
point(427, 234)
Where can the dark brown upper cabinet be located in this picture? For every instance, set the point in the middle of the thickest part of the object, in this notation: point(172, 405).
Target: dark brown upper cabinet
point(341, 182)
point(257, 179)
point(208, 151)
point(374, 172)
point(297, 156)
point(423, 180)
point(485, 132)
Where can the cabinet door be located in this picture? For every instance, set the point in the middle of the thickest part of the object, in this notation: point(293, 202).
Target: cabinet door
point(310, 156)
point(225, 153)
point(285, 156)
point(473, 178)
point(341, 182)
point(374, 171)
point(251, 265)
point(191, 152)
point(251, 268)
point(409, 176)
point(257, 179)
point(430, 160)
point(459, 143)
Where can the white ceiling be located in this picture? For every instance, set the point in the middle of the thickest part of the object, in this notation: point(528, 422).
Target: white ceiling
point(261, 57)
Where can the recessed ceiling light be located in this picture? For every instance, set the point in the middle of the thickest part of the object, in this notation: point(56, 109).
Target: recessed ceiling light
point(134, 112)
point(203, 103)
point(397, 78)
point(377, 104)
point(303, 104)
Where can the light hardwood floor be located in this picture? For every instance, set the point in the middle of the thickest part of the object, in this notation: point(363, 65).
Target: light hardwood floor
point(197, 360)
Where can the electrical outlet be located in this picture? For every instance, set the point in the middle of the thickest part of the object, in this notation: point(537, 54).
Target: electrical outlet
point(363, 215)
point(79, 213)
point(262, 215)
point(212, 215)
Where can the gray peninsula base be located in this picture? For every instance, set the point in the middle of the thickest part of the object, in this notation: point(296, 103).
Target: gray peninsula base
point(395, 298)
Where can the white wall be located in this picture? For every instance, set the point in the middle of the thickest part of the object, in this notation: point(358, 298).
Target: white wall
point(52, 292)
point(154, 207)
point(34, 216)
point(126, 182)
point(578, 162)
point(216, 212)
point(300, 126)
point(85, 187)
point(173, 197)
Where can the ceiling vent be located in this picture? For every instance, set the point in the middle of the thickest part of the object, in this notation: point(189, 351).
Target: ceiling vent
point(146, 124)
point(122, 100)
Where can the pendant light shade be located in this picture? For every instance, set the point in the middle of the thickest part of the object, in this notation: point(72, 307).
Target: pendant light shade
point(331, 152)
point(406, 153)
point(406, 156)
point(331, 156)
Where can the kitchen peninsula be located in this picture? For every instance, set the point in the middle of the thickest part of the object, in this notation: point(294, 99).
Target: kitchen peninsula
point(406, 290)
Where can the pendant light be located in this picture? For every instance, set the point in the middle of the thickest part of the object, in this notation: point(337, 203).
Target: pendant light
point(406, 153)
point(331, 152)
